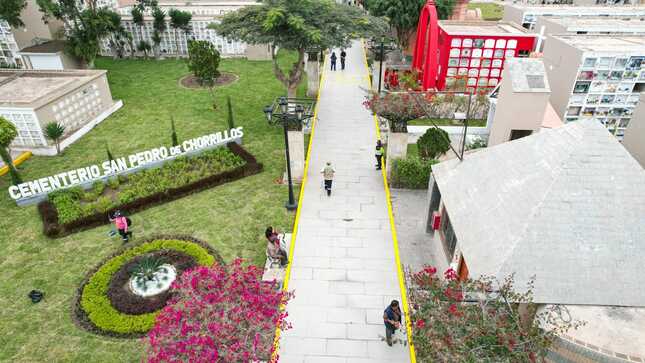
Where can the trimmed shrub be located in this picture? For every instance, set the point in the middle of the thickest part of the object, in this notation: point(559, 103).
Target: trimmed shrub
point(94, 310)
point(80, 218)
point(411, 172)
point(433, 143)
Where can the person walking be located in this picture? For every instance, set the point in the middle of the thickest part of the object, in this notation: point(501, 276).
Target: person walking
point(122, 223)
point(328, 175)
point(333, 61)
point(392, 320)
point(380, 150)
point(343, 55)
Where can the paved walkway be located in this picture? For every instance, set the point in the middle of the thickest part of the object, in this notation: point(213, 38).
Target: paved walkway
point(343, 269)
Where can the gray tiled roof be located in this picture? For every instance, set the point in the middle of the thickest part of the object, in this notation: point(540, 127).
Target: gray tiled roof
point(566, 205)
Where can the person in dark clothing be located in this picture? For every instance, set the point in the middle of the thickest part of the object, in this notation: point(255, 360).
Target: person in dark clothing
point(333, 61)
point(378, 153)
point(392, 320)
point(342, 59)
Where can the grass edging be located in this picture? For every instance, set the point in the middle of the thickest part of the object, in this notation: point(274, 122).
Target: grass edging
point(81, 318)
point(53, 229)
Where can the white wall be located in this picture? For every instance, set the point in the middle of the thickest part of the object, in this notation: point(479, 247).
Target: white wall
point(46, 61)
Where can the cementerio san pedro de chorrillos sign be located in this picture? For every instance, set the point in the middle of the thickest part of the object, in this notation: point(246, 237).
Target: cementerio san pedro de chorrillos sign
point(120, 165)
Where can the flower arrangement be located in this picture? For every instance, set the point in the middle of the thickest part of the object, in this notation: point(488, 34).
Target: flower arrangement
point(455, 320)
point(223, 313)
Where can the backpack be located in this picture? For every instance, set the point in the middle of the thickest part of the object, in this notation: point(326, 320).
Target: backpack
point(128, 221)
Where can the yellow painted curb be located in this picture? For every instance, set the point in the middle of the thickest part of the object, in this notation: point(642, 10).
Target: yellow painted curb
point(285, 284)
point(17, 161)
point(400, 273)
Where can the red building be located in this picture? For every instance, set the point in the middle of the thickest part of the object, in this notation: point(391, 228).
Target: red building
point(477, 50)
point(474, 50)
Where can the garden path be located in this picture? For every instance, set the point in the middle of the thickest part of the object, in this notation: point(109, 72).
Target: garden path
point(343, 268)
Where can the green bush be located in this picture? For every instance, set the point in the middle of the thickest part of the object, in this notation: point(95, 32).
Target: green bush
point(67, 203)
point(433, 143)
point(113, 183)
point(411, 172)
point(96, 303)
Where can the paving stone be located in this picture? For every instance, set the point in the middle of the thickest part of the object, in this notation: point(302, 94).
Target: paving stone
point(343, 267)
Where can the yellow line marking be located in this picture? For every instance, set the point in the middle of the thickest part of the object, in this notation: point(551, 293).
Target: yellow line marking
point(17, 161)
point(285, 284)
point(400, 273)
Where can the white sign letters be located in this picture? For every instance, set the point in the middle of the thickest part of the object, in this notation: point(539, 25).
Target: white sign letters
point(119, 165)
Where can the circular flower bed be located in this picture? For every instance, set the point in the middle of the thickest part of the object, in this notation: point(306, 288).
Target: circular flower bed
point(105, 303)
point(225, 78)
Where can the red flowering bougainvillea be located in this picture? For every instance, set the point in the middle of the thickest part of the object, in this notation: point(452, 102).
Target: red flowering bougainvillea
point(478, 320)
point(219, 314)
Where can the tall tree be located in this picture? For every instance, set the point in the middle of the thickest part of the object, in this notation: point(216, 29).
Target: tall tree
point(144, 47)
point(297, 25)
point(137, 19)
point(84, 25)
point(403, 15)
point(10, 12)
point(8, 132)
point(159, 26)
point(179, 20)
point(117, 34)
point(203, 61)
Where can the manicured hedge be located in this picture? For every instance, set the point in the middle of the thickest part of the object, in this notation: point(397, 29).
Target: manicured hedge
point(93, 309)
point(411, 172)
point(53, 227)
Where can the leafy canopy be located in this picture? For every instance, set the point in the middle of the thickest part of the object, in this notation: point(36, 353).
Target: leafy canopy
point(10, 12)
point(403, 15)
point(8, 132)
point(180, 19)
point(54, 130)
point(433, 143)
point(299, 24)
point(203, 61)
point(85, 25)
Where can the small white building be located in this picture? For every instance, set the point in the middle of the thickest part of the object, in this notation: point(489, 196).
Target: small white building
point(49, 55)
point(30, 99)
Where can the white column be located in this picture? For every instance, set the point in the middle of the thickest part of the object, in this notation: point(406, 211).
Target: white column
point(397, 148)
point(297, 155)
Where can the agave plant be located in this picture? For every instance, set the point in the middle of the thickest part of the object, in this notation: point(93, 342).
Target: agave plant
point(147, 269)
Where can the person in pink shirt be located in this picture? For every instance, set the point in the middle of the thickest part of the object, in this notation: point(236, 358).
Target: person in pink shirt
point(121, 224)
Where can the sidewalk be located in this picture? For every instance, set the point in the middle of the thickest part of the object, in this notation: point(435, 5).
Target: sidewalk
point(343, 268)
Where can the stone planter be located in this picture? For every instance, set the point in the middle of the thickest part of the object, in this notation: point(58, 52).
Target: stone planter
point(397, 148)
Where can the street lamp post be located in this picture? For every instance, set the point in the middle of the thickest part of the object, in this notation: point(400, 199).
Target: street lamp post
point(285, 117)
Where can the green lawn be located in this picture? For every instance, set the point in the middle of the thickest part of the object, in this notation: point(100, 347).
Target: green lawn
point(231, 217)
point(489, 11)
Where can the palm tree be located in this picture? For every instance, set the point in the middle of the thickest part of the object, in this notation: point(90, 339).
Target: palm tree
point(159, 25)
point(55, 131)
point(144, 47)
point(8, 132)
point(137, 19)
point(179, 20)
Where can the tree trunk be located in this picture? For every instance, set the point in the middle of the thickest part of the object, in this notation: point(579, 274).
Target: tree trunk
point(295, 73)
point(176, 44)
point(292, 90)
point(57, 147)
point(6, 157)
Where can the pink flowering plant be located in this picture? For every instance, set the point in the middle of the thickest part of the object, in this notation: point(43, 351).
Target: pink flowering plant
point(479, 320)
point(223, 313)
